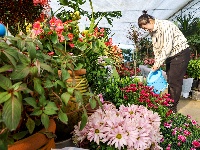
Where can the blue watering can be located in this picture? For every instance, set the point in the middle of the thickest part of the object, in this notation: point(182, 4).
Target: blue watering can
point(157, 81)
point(2, 30)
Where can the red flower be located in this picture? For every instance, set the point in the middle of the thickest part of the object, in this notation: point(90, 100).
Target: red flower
point(70, 36)
point(196, 144)
point(71, 45)
point(51, 53)
point(52, 21)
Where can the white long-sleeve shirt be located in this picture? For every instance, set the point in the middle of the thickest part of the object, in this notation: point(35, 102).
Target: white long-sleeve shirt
point(167, 41)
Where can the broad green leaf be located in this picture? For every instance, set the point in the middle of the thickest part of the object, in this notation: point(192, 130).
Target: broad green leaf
point(48, 45)
point(51, 105)
point(50, 108)
point(83, 48)
point(12, 113)
point(30, 124)
point(38, 86)
point(46, 67)
point(59, 48)
point(48, 111)
point(45, 120)
point(62, 116)
point(39, 44)
point(78, 96)
point(16, 86)
point(61, 83)
point(78, 67)
point(4, 45)
point(23, 87)
point(54, 38)
point(31, 101)
point(42, 100)
point(20, 135)
point(93, 103)
point(3, 145)
point(31, 49)
point(6, 68)
point(65, 97)
point(20, 44)
point(5, 82)
point(4, 96)
point(48, 84)
point(24, 59)
point(11, 59)
point(18, 95)
point(36, 112)
point(70, 90)
point(20, 72)
point(65, 74)
point(83, 120)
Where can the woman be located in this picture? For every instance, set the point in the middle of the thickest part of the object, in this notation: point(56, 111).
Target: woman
point(170, 46)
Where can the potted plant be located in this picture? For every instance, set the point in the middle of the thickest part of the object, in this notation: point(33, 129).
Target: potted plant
point(31, 91)
point(193, 72)
point(129, 127)
point(180, 132)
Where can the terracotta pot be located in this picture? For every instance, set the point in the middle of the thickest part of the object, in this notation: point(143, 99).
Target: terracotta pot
point(77, 72)
point(36, 141)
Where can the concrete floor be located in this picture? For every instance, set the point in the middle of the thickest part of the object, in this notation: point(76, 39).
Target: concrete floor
point(187, 106)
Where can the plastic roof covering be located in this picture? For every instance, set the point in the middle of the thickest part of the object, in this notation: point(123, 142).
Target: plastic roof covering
point(131, 10)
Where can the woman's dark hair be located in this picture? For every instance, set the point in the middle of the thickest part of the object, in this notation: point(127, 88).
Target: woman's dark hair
point(144, 19)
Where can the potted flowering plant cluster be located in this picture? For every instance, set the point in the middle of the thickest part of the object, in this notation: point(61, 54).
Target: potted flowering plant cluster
point(129, 127)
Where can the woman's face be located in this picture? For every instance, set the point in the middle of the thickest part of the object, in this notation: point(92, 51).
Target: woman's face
point(148, 27)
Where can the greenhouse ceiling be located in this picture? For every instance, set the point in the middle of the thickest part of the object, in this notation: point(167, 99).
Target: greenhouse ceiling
point(131, 10)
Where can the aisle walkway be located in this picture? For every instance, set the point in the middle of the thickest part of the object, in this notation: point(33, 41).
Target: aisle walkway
point(190, 107)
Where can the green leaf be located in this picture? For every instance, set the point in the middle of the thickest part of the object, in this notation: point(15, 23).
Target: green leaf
point(11, 55)
point(46, 67)
point(78, 67)
point(20, 135)
point(38, 86)
point(36, 112)
point(20, 44)
point(48, 111)
point(48, 45)
point(24, 59)
point(16, 86)
point(78, 96)
point(63, 116)
point(31, 49)
point(45, 120)
point(3, 145)
point(12, 113)
point(70, 90)
point(5, 68)
point(4, 96)
point(5, 82)
point(83, 120)
point(61, 83)
point(4, 45)
point(31, 101)
point(54, 38)
point(48, 84)
point(23, 87)
point(65, 97)
point(93, 103)
point(42, 100)
point(50, 108)
point(39, 44)
point(20, 72)
point(30, 124)
point(65, 74)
